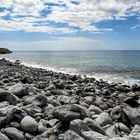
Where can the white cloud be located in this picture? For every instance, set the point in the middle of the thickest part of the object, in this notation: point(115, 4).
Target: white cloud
point(83, 15)
point(135, 27)
point(22, 7)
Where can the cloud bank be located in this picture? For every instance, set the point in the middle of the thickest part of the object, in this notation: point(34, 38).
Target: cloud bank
point(64, 16)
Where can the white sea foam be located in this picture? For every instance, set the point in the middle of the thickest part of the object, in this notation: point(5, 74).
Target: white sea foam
point(115, 78)
point(111, 78)
point(71, 71)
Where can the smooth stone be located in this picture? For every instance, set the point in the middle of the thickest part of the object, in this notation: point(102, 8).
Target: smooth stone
point(15, 124)
point(124, 128)
point(6, 96)
point(104, 119)
point(59, 92)
point(94, 126)
point(32, 109)
point(89, 89)
point(71, 135)
point(3, 137)
point(81, 109)
point(96, 109)
point(39, 99)
point(53, 122)
point(65, 114)
point(89, 99)
point(131, 99)
point(92, 135)
point(39, 138)
point(101, 104)
point(133, 115)
point(133, 137)
point(53, 137)
point(29, 124)
point(13, 133)
point(116, 113)
point(28, 136)
point(120, 138)
point(67, 100)
point(78, 126)
point(49, 132)
point(19, 90)
point(112, 131)
point(136, 130)
point(41, 128)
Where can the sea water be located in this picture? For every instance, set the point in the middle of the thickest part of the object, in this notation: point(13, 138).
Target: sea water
point(111, 66)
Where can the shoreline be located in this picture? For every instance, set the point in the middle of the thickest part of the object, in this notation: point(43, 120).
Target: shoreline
point(60, 106)
point(110, 78)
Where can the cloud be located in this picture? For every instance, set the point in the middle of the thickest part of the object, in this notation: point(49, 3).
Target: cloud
point(135, 27)
point(76, 15)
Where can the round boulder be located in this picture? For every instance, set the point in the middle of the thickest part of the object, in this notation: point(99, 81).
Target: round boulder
point(29, 124)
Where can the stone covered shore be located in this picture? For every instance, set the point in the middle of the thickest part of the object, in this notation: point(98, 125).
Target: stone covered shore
point(36, 104)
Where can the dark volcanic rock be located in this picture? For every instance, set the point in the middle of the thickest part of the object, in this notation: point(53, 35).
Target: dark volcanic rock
point(4, 51)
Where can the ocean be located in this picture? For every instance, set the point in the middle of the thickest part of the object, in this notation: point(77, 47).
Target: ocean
point(112, 66)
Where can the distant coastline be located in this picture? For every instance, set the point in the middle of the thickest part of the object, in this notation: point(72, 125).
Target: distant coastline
point(5, 51)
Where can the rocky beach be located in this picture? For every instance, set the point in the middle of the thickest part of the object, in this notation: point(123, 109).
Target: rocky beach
point(37, 104)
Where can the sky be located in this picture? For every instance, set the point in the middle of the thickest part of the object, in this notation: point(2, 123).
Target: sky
point(70, 24)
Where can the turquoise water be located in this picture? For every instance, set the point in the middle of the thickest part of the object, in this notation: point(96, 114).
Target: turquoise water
point(113, 66)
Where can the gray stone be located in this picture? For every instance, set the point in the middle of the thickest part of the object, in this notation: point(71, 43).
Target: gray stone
point(13, 133)
point(112, 131)
point(59, 92)
point(120, 138)
point(39, 138)
point(96, 109)
point(65, 114)
point(133, 115)
point(94, 125)
point(53, 122)
point(71, 135)
point(32, 109)
point(41, 128)
point(124, 128)
point(3, 137)
point(67, 100)
point(52, 137)
point(89, 99)
point(104, 119)
point(39, 99)
point(81, 109)
point(78, 126)
point(116, 113)
point(92, 135)
point(100, 103)
point(6, 96)
point(29, 124)
point(136, 130)
point(19, 90)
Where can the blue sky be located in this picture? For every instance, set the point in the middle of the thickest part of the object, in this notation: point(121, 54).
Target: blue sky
point(70, 24)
